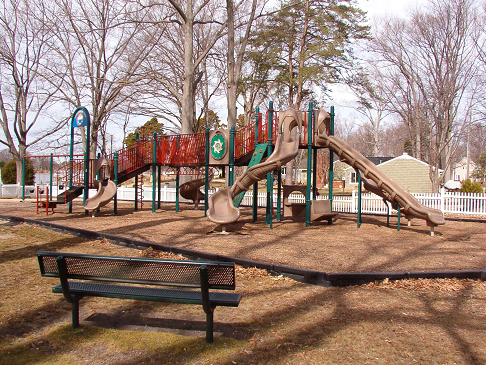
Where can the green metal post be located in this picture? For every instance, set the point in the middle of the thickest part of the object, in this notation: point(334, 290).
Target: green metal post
point(330, 165)
point(177, 185)
point(86, 165)
point(23, 178)
point(231, 174)
point(206, 169)
point(314, 172)
point(136, 193)
point(177, 181)
point(255, 190)
point(359, 199)
point(154, 173)
point(159, 191)
point(70, 175)
point(398, 218)
point(308, 165)
point(51, 177)
point(278, 200)
point(116, 180)
point(268, 218)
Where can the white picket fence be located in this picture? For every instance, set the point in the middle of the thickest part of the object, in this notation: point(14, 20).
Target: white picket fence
point(473, 204)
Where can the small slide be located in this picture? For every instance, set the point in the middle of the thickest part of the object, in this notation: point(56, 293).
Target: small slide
point(375, 180)
point(105, 193)
point(69, 194)
point(221, 208)
point(107, 188)
point(192, 190)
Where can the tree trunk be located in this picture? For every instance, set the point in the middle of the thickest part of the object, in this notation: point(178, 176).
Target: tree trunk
point(18, 163)
point(231, 93)
point(188, 88)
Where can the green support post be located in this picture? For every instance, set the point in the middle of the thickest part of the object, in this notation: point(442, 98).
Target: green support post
point(177, 185)
point(255, 191)
point(268, 218)
point(116, 180)
point(70, 174)
point(159, 193)
point(231, 166)
point(206, 168)
point(86, 165)
point(136, 193)
point(154, 173)
point(278, 199)
point(51, 177)
point(314, 172)
point(398, 218)
point(330, 165)
point(23, 178)
point(359, 199)
point(308, 165)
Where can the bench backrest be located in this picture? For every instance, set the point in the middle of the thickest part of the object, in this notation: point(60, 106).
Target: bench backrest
point(221, 275)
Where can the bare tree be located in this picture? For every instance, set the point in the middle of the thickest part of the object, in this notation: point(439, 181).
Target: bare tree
point(372, 105)
point(429, 61)
point(100, 45)
point(26, 96)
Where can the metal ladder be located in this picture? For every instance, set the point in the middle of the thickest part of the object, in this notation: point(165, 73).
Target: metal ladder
point(139, 190)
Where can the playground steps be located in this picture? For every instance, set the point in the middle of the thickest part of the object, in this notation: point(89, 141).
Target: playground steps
point(69, 194)
point(259, 153)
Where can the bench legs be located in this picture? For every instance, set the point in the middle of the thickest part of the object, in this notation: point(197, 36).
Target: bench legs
point(209, 324)
point(75, 321)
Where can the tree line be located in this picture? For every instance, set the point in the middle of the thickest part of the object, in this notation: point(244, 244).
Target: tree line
point(173, 59)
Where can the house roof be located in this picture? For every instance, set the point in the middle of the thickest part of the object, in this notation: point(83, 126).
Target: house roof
point(405, 156)
point(379, 159)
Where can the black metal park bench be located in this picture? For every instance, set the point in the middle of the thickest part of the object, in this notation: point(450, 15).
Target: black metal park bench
point(189, 282)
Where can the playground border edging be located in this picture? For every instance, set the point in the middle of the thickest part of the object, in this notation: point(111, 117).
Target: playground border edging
point(308, 276)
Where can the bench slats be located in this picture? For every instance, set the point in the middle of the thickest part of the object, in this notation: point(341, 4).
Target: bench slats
point(139, 270)
point(149, 294)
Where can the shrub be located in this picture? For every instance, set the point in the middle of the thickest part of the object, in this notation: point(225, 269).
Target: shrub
point(9, 172)
point(469, 186)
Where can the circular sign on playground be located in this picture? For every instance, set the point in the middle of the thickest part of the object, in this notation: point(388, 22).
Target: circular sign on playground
point(218, 146)
point(80, 118)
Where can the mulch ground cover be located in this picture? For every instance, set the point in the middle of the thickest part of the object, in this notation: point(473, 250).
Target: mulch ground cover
point(279, 321)
point(341, 247)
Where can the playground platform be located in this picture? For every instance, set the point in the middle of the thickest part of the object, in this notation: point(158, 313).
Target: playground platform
point(337, 248)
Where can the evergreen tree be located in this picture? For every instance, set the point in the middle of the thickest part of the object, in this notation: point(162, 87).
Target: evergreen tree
point(9, 172)
point(144, 131)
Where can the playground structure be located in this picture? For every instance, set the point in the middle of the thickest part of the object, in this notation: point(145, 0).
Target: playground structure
point(252, 145)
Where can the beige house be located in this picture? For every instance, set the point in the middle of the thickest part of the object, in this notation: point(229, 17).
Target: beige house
point(409, 172)
point(461, 170)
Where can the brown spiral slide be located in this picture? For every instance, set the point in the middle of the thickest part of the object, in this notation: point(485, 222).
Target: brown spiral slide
point(375, 180)
point(192, 190)
point(221, 209)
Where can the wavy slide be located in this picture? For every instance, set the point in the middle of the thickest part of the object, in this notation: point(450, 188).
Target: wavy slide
point(375, 180)
point(221, 209)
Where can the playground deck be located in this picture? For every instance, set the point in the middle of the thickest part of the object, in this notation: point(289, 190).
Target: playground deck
point(330, 248)
point(279, 321)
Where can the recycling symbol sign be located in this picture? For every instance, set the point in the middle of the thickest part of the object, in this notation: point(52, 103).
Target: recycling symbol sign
point(218, 146)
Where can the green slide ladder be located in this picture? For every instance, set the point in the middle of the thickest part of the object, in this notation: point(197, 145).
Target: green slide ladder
point(259, 153)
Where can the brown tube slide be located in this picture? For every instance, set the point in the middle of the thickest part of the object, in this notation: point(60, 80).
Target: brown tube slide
point(221, 209)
